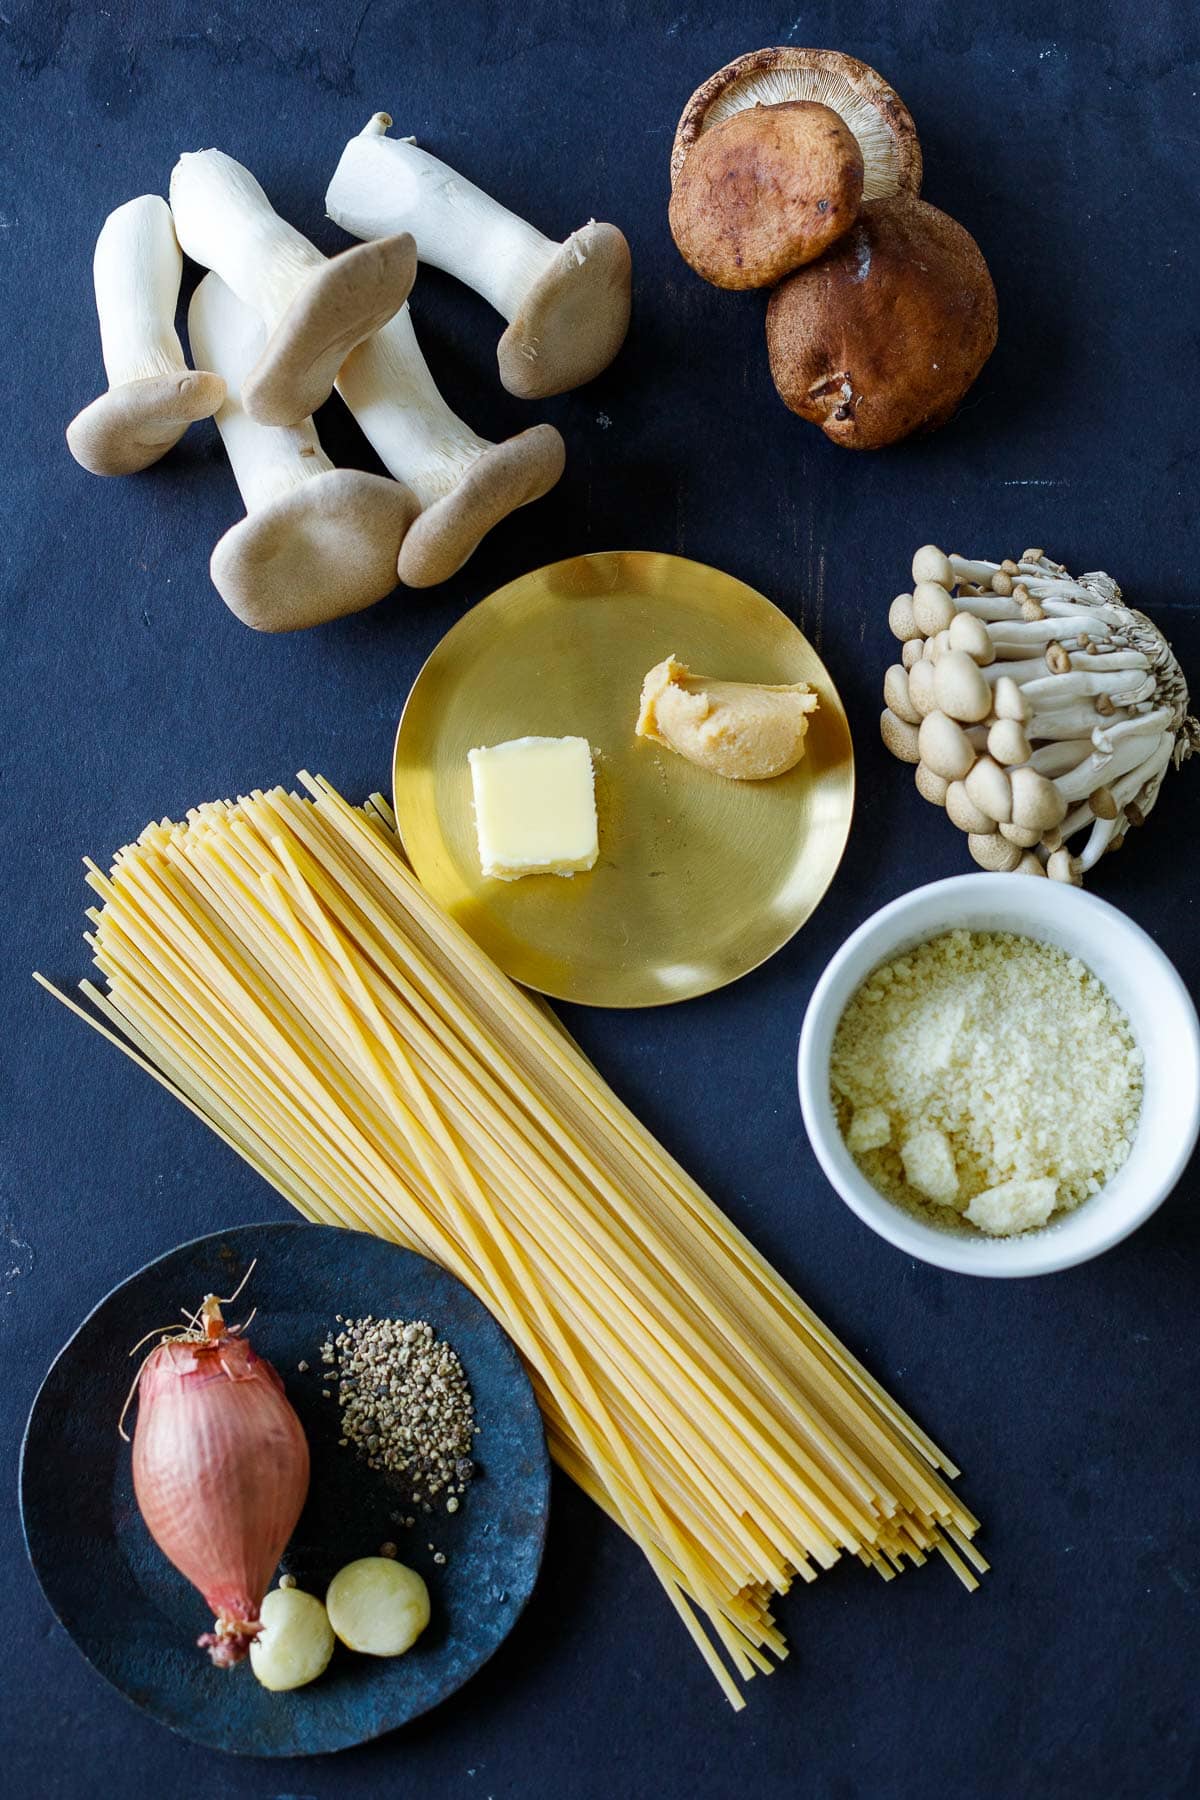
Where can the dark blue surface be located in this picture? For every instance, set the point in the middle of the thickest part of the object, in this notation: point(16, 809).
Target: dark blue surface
point(1067, 139)
point(135, 1617)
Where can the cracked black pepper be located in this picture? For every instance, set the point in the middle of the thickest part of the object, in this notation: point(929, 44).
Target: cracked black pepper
point(405, 1405)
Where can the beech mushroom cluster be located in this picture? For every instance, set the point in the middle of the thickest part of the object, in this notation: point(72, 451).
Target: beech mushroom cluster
point(1036, 707)
point(803, 168)
point(278, 327)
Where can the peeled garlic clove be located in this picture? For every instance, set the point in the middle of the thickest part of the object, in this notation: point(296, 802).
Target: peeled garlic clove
point(989, 787)
point(930, 785)
point(933, 608)
point(296, 1641)
point(960, 689)
point(1007, 742)
point(901, 619)
point(932, 565)
point(945, 747)
point(1009, 701)
point(920, 688)
point(994, 852)
point(970, 634)
point(895, 694)
point(899, 737)
point(963, 812)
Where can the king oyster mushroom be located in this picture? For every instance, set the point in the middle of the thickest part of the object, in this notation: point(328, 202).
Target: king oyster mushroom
point(567, 305)
point(770, 188)
point(317, 542)
point(316, 308)
point(1087, 708)
point(884, 335)
point(872, 110)
point(152, 395)
point(464, 484)
point(742, 730)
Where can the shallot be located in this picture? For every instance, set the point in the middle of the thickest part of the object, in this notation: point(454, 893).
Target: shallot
point(220, 1470)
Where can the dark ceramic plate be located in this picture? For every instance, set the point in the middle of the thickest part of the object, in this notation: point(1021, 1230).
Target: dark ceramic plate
point(136, 1620)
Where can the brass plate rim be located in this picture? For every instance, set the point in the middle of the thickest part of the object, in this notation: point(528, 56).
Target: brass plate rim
point(832, 706)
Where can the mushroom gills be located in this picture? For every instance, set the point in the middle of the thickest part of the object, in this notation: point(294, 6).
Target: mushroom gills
point(317, 542)
point(567, 304)
point(871, 108)
point(745, 731)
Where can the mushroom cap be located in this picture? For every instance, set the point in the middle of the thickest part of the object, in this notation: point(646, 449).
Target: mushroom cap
point(930, 785)
point(131, 426)
point(323, 549)
point(899, 737)
point(344, 301)
point(506, 476)
point(991, 851)
point(770, 188)
point(871, 108)
point(884, 335)
point(945, 747)
point(1036, 801)
point(574, 318)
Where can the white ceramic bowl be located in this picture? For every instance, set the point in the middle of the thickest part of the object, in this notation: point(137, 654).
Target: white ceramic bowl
point(1142, 982)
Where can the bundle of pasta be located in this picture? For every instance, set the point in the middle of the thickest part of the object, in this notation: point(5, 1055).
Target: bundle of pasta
point(275, 964)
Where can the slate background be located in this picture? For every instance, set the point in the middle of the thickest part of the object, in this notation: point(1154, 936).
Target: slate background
point(1066, 139)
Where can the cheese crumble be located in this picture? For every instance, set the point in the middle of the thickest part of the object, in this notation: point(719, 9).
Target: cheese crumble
point(986, 1081)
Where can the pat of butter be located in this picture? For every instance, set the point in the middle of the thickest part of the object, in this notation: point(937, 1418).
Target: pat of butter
point(535, 807)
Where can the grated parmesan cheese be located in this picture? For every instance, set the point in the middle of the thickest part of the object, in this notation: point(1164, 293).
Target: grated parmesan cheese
point(1006, 1077)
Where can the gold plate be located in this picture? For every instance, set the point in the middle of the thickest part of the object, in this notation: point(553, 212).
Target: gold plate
point(699, 879)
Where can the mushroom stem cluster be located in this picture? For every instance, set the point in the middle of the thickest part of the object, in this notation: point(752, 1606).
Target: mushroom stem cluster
point(567, 304)
point(1035, 707)
point(152, 395)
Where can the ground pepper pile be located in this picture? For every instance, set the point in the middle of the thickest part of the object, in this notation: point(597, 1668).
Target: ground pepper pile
point(406, 1405)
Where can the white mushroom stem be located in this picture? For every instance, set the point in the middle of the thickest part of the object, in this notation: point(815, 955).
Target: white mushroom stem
point(1054, 691)
point(225, 222)
point(1056, 759)
point(137, 269)
point(1021, 631)
point(1108, 733)
point(1077, 720)
point(387, 385)
point(267, 460)
point(1106, 662)
point(1101, 771)
point(384, 184)
point(1100, 837)
point(1147, 774)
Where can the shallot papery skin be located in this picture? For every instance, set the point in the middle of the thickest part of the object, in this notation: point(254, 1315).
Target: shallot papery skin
point(220, 1471)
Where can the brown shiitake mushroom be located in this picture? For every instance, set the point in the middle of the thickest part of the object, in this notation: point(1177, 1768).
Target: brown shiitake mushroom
point(765, 192)
point(884, 335)
point(872, 110)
